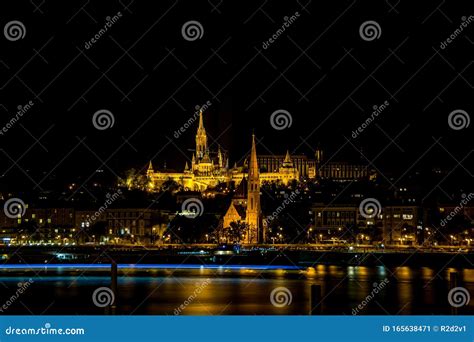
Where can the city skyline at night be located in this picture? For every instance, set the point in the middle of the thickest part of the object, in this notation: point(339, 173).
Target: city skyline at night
point(214, 158)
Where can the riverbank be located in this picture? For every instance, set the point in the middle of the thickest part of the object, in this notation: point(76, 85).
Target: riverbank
point(298, 258)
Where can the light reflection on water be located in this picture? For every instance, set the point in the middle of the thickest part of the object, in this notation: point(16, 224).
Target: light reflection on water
point(409, 291)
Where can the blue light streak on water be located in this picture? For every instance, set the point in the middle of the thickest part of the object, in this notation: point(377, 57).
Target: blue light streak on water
point(146, 267)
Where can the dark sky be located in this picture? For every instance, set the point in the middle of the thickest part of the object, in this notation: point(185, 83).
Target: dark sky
point(150, 78)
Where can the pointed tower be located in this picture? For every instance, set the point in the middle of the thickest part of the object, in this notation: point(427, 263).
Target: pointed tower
point(220, 158)
point(150, 170)
point(149, 175)
point(287, 171)
point(253, 198)
point(287, 162)
point(201, 138)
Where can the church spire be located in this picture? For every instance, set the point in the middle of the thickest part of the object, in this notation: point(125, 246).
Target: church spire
point(287, 162)
point(201, 122)
point(150, 169)
point(201, 138)
point(253, 198)
point(287, 157)
point(253, 165)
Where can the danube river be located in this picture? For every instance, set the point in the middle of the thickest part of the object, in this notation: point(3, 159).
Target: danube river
point(241, 290)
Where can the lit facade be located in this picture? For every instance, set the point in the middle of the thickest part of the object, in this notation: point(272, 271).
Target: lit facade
point(210, 168)
point(340, 171)
point(401, 223)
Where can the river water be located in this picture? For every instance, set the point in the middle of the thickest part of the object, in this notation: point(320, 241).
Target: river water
point(346, 290)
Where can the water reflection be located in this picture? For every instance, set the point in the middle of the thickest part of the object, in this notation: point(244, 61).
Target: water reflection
point(244, 291)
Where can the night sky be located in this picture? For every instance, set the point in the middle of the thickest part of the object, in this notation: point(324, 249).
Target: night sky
point(151, 79)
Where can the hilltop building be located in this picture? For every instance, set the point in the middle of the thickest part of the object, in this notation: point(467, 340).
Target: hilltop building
point(210, 168)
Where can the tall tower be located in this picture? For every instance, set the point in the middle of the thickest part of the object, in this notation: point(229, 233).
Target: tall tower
point(253, 198)
point(287, 162)
point(220, 158)
point(201, 138)
point(149, 171)
point(149, 174)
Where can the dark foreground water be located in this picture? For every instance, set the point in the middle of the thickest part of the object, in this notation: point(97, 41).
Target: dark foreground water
point(406, 290)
